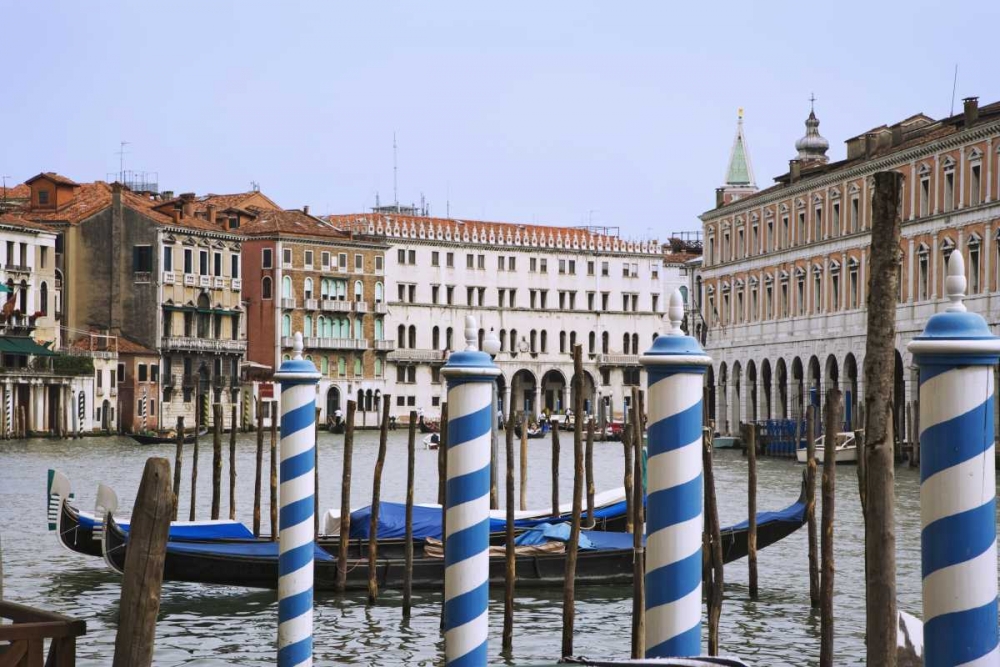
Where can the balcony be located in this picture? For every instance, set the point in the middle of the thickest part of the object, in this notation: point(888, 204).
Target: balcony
point(190, 381)
point(288, 303)
point(172, 380)
point(312, 304)
point(99, 390)
point(360, 306)
point(618, 360)
point(336, 306)
point(16, 325)
point(114, 390)
point(189, 280)
point(17, 268)
point(425, 356)
point(328, 343)
point(381, 308)
point(385, 345)
point(169, 278)
point(220, 381)
point(204, 345)
point(237, 284)
point(219, 282)
point(204, 281)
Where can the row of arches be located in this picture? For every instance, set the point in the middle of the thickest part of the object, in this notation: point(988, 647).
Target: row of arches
point(330, 289)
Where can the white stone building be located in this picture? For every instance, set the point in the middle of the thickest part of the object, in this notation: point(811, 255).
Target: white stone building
point(540, 289)
point(784, 282)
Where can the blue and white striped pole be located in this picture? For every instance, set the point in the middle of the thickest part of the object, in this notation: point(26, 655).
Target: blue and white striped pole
point(674, 365)
point(298, 378)
point(471, 375)
point(956, 354)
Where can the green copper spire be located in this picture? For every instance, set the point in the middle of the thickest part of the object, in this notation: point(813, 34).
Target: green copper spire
point(739, 172)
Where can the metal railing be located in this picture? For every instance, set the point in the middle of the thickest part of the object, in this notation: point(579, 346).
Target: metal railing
point(204, 344)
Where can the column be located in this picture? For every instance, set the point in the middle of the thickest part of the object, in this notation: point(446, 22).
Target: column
point(508, 409)
point(914, 186)
point(470, 375)
point(988, 166)
point(675, 365)
point(934, 267)
point(296, 539)
point(910, 271)
point(956, 355)
point(537, 402)
point(961, 177)
point(938, 185)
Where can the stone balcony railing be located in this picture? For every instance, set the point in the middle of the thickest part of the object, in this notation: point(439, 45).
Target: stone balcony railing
point(237, 284)
point(360, 306)
point(204, 344)
point(385, 345)
point(314, 343)
point(204, 281)
point(312, 304)
point(618, 360)
point(381, 308)
point(336, 306)
point(426, 356)
point(288, 303)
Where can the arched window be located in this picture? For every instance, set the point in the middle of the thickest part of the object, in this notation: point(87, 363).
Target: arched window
point(447, 338)
point(513, 341)
point(359, 328)
point(321, 327)
point(592, 342)
point(43, 298)
point(482, 335)
point(503, 340)
point(345, 328)
point(572, 339)
point(379, 330)
point(357, 371)
point(532, 340)
point(341, 366)
point(412, 338)
point(368, 394)
point(204, 317)
point(545, 341)
point(635, 343)
point(401, 336)
point(359, 291)
point(626, 344)
point(604, 343)
point(307, 326)
point(435, 338)
point(24, 297)
point(265, 287)
point(307, 289)
point(286, 287)
point(378, 368)
point(562, 342)
point(361, 400)
point(286, 325)
point(324, 366)
point(379, 292)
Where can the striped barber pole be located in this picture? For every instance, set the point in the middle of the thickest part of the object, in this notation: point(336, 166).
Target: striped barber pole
point(10, 412)
point(956, 355)
point(81, 408)
point(298, 378)
point(143, 410)
point(674, 365)
point(470, 375)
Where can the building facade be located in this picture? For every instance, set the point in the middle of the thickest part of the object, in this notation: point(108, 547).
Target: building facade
point(304, 274)
point(784, 280)
point(540, 289)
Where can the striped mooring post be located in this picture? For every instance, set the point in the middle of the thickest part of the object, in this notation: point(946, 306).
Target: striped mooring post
point(81, 409)
point(675, 366)
point(296, 539)
point(956, 355)
point(143, 415)
point(470, 375)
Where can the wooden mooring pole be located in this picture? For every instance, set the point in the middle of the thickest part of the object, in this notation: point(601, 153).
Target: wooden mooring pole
point(383, 438)
point(274, 470)
point(344, 538)
point(194, 462)
point(140, 596)
point(443, 487)
point(880, 475)
point(555, 468)
point(411, 442)
point(178, 459)
point(832, 421)
point(589, 463)
point(216, 460)
point(638, 551)
point(627, 483)
point(510, 560)
point(751, 439)
point(258, 477)
point(714, 576)
point(316, 476)
point(811, 507)
point(232, 462)
point(573, 548)
point(524, 461)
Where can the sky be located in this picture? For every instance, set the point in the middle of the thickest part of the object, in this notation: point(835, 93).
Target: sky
point(563, 113)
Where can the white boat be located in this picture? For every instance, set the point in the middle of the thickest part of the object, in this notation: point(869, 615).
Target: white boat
point(846, 452)
point(431, 441)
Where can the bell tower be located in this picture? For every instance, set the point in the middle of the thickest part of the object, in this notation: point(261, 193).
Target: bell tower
point(739, 181)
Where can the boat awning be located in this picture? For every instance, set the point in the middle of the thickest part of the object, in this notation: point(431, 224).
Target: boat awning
point(23, 345)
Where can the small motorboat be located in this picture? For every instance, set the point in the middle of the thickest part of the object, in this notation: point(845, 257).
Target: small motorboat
point(167, 437)
point(846, 450)
point(432, 441)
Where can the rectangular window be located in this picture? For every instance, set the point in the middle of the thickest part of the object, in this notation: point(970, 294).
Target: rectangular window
point(286, 256)
point(543, 265)
point(450, 260)
point(217, 264)
point(974, 180)
point(625, 270)
point(435, 292)
point(572, 300)
point(470, 261)
point(411, 291)
point(655, 272)
point(605, 268)
point(481, 263)
point(325, 259)
point(922, 276)
point(531, 298)
point(481, 296)
point(532, 264)
point(754, 240)
point(572, 267)
point(656, 303)
point(401, 256)
point(450, 294)
point(500, 263)
point(949, 190)
point(925, 196)
point(853, 222)
point(512, 296)
point(234, 265)
point(142, 373)
point(121, 374)
point(562, 266)
point(341, 261)
point(605, 299)
point(435, 258)
point(500, 296)
point(265, 259)
point(817, 292)
point(590, 300)
point(168, 258)
point(309, 259)
point(469, 291)
point(142, 258)
point(974, 268)
point(818, 224)
point(379, 263)
point(401, 292)
point(203, 262)
point(511, 263)
point(835, 292)
point(545, 298)
point(835, 223)
point(411, 259)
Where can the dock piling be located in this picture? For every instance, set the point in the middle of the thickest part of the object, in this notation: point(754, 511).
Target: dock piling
point(274, 471)
point(713, 541)
point(627, 483)
point(524, 461)
point(408, 540)
point(316, 511)
point(383, 439)
point(555, 468)
point(178, 459)
point(638, 550)
point(443, 490)
point(344, 538)
point(573, 548)
point(194, 465)
point(232, 463)
point(260, 462)
point(216, 460)
point(751, 434)
point(589, 463)
point(510, 559)
point(833, 407)
point(812, 527)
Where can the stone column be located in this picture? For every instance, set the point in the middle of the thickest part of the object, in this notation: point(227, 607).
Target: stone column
point(910, 271)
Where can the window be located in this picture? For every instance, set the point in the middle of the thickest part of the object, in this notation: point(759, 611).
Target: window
point(974, 181)
point(217, 264)
point(835, 289)
point(44, 299)
point(835, 223)
point(481, 293)
point(852, 286)
point(286, 256)
point(359, 261)
point(357, 367)
point(572, 267)
point(342, 261)
point(120, 376)
point(655, 270)
point(142, 373)
point(605, 299)
point(142, 258)
point(309, 259)
point(973, 265)
point(359, 291)
point(286, 287)
point(401, 256)
point(925, 195)
point(379, 292)
point(500, 263)
point(481, 262)
point(286, 325)
point(435, 258)
point(43, 197)
point(543, 265)
point(800, 294)
point(562, 300)
point(450, 260)
point(922, 273)
point(234, 265)
point(754, 240)
point(531, 298)
point(625, 269)
point(402, 292)
point(532, 264)
point(590, 300)
point(656, 303)
point(168, 258)
point(544, 296)
point(853, 222)
point(817, 291)
point(470, 261)
point(784, 231)
point(572, 300)
point(818, 224)
point(450, 294)
point(325, 260)
point(435, 291)
point(949, 188)
point(511, 263)
point(307, 288)
point(265, 259)
point(265, 287)
point(203, 262)
point(604, 269)
point(770, 235)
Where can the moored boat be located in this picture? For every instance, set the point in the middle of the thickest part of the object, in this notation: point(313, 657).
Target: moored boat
point(166, 437)
point(846, 450)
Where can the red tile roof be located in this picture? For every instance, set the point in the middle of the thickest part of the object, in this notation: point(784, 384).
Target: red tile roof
point(17, 219)
point(99, 342)
point(54, 177)
point(21, 191)
point(292, 222)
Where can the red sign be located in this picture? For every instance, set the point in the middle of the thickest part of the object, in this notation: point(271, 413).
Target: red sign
point(266, 390)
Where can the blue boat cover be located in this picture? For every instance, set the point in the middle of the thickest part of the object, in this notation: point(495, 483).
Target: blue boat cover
point(207, 530)
point(793, 513)
point(245, 549)
point(427, 520)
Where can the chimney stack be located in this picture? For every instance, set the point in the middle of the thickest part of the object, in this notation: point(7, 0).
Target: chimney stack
point(176, 215)
point(211, 213)
point(719, 197)
point(971, 110)
point(305, 209)
point(187, 205)
point(871, 142)
point(794, 171)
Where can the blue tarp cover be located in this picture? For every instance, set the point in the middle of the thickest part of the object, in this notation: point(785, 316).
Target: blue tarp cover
point(245, 549)
point(218, 530)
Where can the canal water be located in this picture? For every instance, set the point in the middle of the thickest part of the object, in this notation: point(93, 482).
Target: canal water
point(201, 625)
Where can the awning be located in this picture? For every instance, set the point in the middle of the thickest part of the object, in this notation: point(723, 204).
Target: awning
point(22, 345)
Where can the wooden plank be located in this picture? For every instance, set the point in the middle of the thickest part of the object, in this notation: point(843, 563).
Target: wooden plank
point(147, 546)
point(178, 460)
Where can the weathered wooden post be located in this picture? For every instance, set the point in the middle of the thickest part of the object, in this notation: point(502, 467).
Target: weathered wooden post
point(296, 546)
point(751, 435)
point(442, 453)
point(675, 367)
point(510, 559)
point(260, 463)
point(232, 464)
point(713, 541)
point(638, 547)
point(879, 497)
point(316, 512)
point(216, 460)
point(344, 539)
point(178, 458)
point(627, 483)
point(555, 468)
point(140, 597)
point(591, 519)
point(524, 461)
point(383, 440)
point(573, 548)
point(411, 441)
point(274, 470)
point(194, 465)
point(471, 376)
point(812, 528)
point(957, 355)
point(833, 407)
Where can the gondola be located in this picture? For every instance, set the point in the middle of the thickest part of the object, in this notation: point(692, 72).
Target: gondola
point(166, 437)
point(533, 433)
point(255, 564)
point(427, 426)
point(80, 531)
point(338, 425)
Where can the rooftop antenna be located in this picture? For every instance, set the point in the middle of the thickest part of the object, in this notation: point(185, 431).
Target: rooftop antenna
point(954, 86)
point(4, 179)
point(121, 161)
point(812, 102)
point(447, 200)
point(255, 186)
point(395, 191)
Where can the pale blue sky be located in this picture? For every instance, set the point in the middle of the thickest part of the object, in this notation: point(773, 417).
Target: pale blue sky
point(547, 112)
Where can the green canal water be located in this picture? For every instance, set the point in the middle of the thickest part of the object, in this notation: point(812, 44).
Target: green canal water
point(201, 625)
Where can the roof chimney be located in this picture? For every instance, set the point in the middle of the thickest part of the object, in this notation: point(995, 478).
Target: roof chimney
point(719, 197)
point(167, 194)
point(211, 213)
point(176, 215)
point(971, 110)
point(871, 142)
point(305, 209)
point(187, 205)
point(794, 171)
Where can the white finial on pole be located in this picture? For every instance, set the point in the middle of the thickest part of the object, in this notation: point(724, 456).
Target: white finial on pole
point(471, 344)
point(297, 346)
point(675, 313)
point(955, 283)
